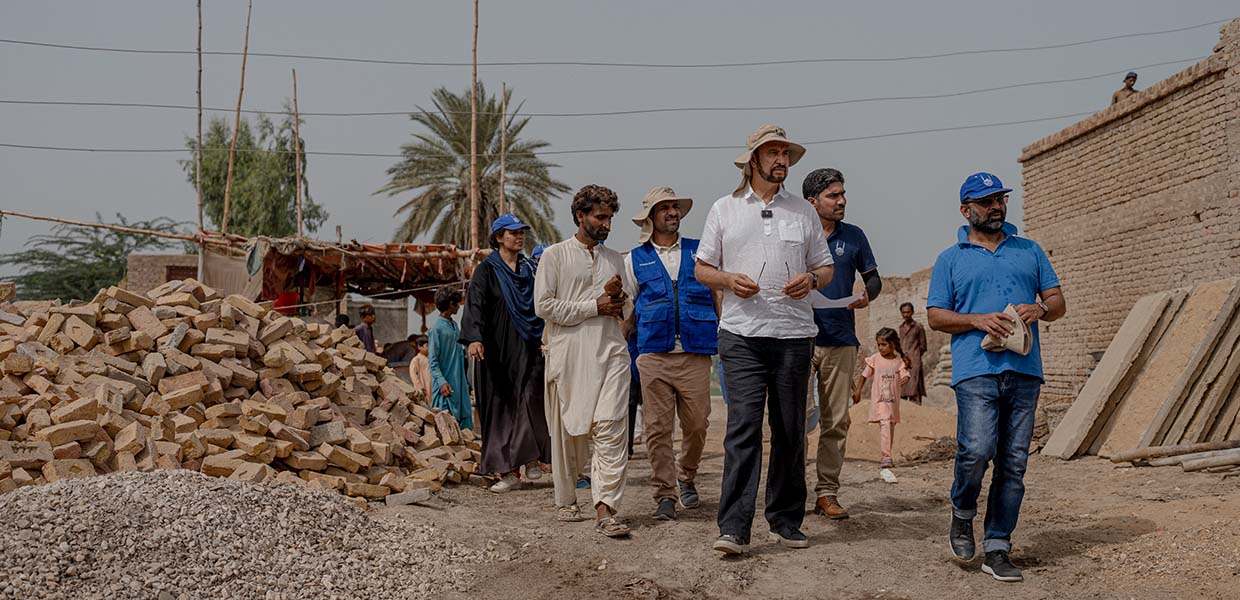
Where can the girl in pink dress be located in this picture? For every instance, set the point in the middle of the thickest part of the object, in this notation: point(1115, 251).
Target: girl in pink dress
point(887, 371)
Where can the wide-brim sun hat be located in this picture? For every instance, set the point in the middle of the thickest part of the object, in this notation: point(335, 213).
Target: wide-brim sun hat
point(654, 197)
point(765, 135)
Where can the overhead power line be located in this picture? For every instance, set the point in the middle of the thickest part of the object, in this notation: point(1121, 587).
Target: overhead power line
point(578, 63)
point(561, 152)
point(101, 104)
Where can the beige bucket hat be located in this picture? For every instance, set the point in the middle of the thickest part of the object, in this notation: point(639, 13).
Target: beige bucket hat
point(760, 136)
point(1021, 340)
point(653, 197)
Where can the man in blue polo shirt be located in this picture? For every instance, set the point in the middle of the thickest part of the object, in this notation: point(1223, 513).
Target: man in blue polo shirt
point(996, 391)
point(836, 345)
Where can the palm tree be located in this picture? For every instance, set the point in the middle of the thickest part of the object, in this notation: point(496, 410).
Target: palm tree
point(435, 168)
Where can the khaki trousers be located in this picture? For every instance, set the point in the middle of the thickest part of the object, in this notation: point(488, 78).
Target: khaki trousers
point(674, 384)
point(608, 460)
point(834, 366)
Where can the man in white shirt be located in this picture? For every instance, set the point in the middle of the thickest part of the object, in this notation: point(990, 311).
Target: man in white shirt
point(579, 290)
point(764, 248)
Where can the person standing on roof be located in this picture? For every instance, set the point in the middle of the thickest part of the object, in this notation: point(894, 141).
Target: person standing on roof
point(1127, 91)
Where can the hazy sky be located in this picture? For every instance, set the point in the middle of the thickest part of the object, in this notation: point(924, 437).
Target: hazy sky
point(902, 190)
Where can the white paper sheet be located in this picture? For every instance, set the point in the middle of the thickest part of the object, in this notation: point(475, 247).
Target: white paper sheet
point(817, 300)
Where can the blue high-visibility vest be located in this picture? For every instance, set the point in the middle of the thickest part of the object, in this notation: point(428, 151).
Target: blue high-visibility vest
point(666, 309)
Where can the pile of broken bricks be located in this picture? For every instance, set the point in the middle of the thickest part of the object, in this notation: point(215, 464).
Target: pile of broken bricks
point(1167, 390)
point(183, 378)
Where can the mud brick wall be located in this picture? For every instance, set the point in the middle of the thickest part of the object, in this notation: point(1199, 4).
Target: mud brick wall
point(884, 311)
point(1141, 197)
point(146, 272)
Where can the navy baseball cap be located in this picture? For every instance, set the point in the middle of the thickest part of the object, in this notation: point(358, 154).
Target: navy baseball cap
point(1130, 75)
point(508, 221)
point(980, 185)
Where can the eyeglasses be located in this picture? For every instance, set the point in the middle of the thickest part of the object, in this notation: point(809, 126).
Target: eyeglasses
point(989, 201)
point(774, 285)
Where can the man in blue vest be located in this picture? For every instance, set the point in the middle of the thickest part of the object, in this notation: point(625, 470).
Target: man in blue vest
point(836, 345)
point(676, 331)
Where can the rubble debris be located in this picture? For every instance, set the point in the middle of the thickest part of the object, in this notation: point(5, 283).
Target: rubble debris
point(184, 378)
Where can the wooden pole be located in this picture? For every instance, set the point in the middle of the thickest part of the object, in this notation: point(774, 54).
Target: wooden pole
point(1182, 458)
point(503, 143)
point(1232, 458)
point(171, 236)
point(473, 140)
point(202, 249)
point(1161, 451)
point(198, 152)
point(297, 149)
point(232, 152)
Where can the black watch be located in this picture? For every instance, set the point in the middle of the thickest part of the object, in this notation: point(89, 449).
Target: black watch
point(815, 276)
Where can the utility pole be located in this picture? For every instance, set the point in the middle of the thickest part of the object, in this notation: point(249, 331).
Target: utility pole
point(473, 140)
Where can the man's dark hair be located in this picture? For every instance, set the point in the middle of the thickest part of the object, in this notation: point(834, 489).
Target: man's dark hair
point(366, 309)
point(445, 297)
point(342, 320)
point(908, 304)
point(593, 195)
point(818, 180)
point(419, 341)
point(411, 338)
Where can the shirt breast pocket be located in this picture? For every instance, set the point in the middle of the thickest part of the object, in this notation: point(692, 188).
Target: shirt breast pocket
point(790, 232)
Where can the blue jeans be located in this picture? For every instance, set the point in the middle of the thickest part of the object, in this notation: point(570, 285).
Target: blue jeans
point(994, 421)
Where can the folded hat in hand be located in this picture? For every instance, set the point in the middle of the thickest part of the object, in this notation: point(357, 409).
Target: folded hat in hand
point(1021, 340)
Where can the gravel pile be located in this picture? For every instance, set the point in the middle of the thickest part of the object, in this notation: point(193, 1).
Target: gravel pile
point(180, 535)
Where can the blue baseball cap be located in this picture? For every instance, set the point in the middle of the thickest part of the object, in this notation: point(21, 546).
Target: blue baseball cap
point(538, 250)
point(980, 185)
point(1130, 75)
point(508, 221)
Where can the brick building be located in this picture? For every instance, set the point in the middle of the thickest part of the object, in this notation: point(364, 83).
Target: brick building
point(146, 272)
point(1140, 197)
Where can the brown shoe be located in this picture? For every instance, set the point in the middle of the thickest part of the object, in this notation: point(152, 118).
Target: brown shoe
point(830, 507)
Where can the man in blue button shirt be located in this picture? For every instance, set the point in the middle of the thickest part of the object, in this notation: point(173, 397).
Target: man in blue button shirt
point(836, 345)
point(996, 391)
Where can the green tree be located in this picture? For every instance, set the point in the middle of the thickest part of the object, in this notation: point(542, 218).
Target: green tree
point(435, 168)
point(74, 262)
point(264, 193)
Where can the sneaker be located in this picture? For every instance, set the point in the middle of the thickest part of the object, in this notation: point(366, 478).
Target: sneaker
point(1000, 566)
point(583, 482)
point(887, 475)
point(689, 495)
point(731, 544)
point(666, 510)
point(506, 484)
point(790, 539)
point(961, 538)
point(533, 472)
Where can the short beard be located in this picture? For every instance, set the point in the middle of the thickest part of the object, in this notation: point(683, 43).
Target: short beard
point(985, 224)
point(767, 177)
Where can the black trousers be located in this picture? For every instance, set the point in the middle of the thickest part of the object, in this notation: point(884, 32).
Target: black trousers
point(759, 371)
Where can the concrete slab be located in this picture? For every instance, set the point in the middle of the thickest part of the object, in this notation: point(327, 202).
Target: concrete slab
point(1162, 373)
point(1168, 419)
point(1101, 387)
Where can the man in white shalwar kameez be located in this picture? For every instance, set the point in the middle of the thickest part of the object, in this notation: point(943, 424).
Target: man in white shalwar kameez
point(581, 293)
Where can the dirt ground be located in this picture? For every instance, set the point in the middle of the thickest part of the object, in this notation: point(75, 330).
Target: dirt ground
point(1089, 529)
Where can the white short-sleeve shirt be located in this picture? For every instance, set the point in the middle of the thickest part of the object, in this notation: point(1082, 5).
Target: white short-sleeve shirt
point(771, 243)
